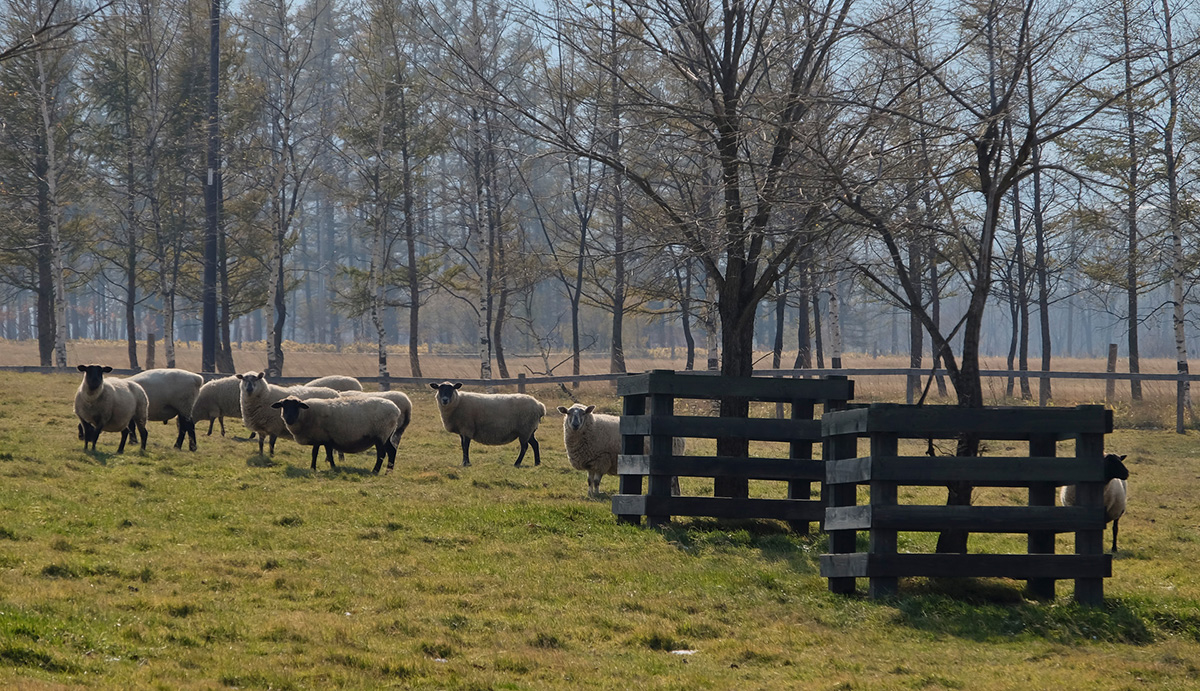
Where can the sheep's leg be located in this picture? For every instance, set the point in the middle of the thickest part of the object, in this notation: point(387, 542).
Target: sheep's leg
point(466, 447)
point(329, 455)
point(1116, 522)
point(271, 443)
point(181, 428)
point(124, 436)
point(191, 430)
point(537, 454)
point(213, 422)
point(391, 452)
point(221, 419)
point(380, 448)
point(521, 456)
point(261, 441)
point(140, 428)
point(316, 450)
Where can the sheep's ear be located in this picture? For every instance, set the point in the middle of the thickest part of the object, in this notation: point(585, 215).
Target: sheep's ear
point(82, 368)
point(589, 409)
point(277, 404)
point(562, 409)
point(1122, 457)
point(458, 385)
point(238, 376)
point(302, 404)
point(106, 369)
point(262, 375)
point(433, 386)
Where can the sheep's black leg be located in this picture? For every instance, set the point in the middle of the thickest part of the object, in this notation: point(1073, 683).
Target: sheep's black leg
point(261, 441)
point(1115, 524)
point(329, 455)
point(537, 454)
point(221, 419)
point(316, 450)
point(466, 447)
point(210, 426)
point(181, 428)
point(124, 436)
point(140, 428)
point(379, 451)
point(191, 430)
point(272, 444)
point(521, 456)
point(391, 452)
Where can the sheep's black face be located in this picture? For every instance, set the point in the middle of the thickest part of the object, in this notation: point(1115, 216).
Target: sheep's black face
point(251, 381)
point(94, 375)
point(289, 409)
point(446, 392)
point(1114, 467)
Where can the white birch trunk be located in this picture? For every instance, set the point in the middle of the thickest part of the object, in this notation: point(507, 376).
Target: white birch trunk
point(835, 326)
point(712, 325)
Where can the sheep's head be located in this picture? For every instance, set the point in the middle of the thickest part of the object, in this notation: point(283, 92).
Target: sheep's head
point(252, 380)
point(93, 375)
point(446, 392)
point(577, 415)
point(1114, 467)
point(289, 409)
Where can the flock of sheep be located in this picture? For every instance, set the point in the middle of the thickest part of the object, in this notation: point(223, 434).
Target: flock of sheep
point(332, 412)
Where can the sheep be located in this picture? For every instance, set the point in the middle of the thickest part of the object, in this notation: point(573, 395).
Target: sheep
point(492, 419)
point(349, 424)
point(399, 398)
point(172, 394)
point(257, 395)
point(109, 405)
point(337, 382)
point(593, 442)
point(1115, 491)
point(217, 399)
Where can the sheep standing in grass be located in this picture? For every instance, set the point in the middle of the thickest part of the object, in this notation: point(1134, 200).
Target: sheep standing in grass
point(348, 424)
point(399, 398)
point(109, 405)
point(257, 395)
point(337, 382)
point(492, 419)
point(593, 442)
point(1115, 491)
point(172, 395)
point(218, 399)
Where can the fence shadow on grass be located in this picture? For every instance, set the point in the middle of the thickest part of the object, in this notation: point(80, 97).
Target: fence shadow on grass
point(773, 540)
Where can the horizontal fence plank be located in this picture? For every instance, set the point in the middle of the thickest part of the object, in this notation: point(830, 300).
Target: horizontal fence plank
point(752, 468)
point(984, 471)
point(696, 385)
point(1018, 566)
point(759, 429)
point(947, 422)
point(976, 519)
point(803, 510)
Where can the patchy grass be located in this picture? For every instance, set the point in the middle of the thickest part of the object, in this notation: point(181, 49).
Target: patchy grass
point(222, 568)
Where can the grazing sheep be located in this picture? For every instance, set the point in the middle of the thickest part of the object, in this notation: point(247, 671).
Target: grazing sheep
point(109, 405)
point(337, 382)
point(257, 395)
point(492, 419)
point(172, 394)
point(217, 399)
point(348, 424)
point(593, 442)
point(1114, 492)
point(402, 402)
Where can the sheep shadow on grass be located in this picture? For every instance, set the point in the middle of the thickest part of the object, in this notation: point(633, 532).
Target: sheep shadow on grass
point(295, 471)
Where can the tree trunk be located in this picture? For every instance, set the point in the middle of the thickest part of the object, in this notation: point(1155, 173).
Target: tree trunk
point(1183, 394)
point(803, 338)
point(1131, 220)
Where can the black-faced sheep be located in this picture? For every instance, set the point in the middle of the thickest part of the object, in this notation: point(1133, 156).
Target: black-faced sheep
point(593, 442)
point(348, 424)
point(109, 405)
point(337, 382)
point(492, 419)
point(257, 395)
point(1115, 491)
point(172, 395)
point(218, 399)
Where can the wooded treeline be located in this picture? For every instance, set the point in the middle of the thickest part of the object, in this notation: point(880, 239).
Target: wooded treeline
point(940, 179)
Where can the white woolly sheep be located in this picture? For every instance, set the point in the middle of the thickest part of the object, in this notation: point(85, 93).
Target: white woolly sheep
point(337, 382)
point(593, 442)
point(217, 399)
point(1115, 491)
point(399, 398)
point(257, 395)
point(172, 394)
point(348, 424)
point(492, 419)
point(109, 405)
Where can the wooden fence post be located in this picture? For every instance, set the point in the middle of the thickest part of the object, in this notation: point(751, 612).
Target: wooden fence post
point(1110, 386)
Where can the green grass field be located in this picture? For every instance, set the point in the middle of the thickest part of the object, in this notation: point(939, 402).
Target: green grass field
point(222, 568)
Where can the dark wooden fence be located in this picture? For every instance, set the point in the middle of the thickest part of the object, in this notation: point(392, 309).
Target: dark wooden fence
point(883, 471)
point(649, 413)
